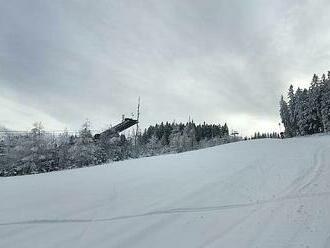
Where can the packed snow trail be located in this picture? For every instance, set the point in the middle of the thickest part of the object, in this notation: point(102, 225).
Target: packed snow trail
point(262, 193)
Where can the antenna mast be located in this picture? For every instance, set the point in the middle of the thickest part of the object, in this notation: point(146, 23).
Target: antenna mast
point(137, 124)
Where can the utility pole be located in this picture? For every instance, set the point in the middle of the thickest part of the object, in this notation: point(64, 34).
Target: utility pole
point(137, 124)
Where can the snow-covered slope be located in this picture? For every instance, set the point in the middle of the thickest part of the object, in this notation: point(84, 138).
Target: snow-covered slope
point(263, 193)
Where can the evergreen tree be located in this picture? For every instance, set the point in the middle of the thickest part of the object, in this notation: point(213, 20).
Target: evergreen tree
point(82, 153)
point(292, 105)
point(303, 118)
point(225, 130)
point(325, 105)
point(315, 105)
point(308, 110)
point(176, 143)
point(285, 116)
point(189, 141)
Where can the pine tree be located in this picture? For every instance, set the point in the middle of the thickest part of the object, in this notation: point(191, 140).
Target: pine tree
point(82, 153)
point(308, 111)
point(325, 105)
point(189, 141)
point(285, 116)
point(153, 145)
point(225, 130)
point(292, 106)
point(303, 120)
point(176, 143)
point(315, 105)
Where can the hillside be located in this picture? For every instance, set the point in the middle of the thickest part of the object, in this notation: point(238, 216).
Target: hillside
point(261, 193)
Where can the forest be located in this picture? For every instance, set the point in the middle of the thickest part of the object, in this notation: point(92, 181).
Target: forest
point(39, 151)
point(307, 111)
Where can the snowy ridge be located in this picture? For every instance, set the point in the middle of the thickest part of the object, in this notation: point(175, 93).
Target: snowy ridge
point(262, 193)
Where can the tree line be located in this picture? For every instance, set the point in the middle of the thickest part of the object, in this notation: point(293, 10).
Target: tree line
point(258, 135)
point(39, 151)
point(307, 111)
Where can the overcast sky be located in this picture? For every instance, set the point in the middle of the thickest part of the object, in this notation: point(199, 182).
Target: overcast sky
point(219, 61)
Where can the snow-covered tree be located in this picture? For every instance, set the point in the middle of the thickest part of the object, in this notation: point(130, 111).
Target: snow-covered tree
point(325, 105)
point(315, 96)
point(303, 117)
point(82, 153)
point(176, 143)
point(153, 145)
point(292, 106)
point(308, 110)
point(188, 139)
point(284, 112)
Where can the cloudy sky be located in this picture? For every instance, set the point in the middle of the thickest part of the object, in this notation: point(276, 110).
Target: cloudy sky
point(220, 61)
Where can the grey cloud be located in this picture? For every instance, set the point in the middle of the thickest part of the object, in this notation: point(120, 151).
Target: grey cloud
point(209, 59)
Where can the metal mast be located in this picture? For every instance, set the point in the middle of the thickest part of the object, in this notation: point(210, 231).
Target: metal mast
point(137, 124)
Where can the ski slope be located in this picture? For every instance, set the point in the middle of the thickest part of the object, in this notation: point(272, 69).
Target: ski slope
point(262, 193)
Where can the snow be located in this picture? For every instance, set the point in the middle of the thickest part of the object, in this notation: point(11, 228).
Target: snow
point(262, 193)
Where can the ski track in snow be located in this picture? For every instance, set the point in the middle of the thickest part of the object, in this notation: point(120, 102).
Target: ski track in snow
point(169, 211)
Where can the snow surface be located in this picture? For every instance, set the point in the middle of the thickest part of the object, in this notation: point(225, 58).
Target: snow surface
point(262, 193)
